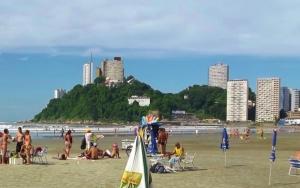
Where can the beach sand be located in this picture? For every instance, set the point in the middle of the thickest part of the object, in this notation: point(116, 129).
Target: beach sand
point(248, 165)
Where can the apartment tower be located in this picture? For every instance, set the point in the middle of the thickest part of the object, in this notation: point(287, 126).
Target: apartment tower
point(87, 73)
point(285, 99)
point(237, 100)
point(218, 75)
point(113, 70)
point(267, 99)
point(295, 99)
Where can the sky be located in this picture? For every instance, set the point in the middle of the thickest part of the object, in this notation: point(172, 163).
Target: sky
point(168, 44)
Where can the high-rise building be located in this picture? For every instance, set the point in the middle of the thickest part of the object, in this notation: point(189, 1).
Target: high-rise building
point(267, 99)
point(237, 100)
point(295, 99)
point(59, 93)
point(218, 75)
point(98, 72)
point(87, 74)
point(113, 70)
point(285, 99)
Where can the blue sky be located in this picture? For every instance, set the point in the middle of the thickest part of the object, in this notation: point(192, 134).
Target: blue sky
point(167, 44)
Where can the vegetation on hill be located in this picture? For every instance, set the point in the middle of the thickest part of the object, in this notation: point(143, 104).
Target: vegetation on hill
point(96, 102)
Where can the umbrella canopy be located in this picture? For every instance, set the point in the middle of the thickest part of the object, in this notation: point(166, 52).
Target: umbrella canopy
point(225, 140)
point(273, 152)
point(136, 174)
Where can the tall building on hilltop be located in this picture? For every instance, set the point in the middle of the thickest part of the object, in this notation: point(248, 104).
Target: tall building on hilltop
point(87, 73)
point(237, 100)
point(295, 99)
point(59, 93)
point(285, 99)
point(113, 70)
point(267, 99)
point(218, 75)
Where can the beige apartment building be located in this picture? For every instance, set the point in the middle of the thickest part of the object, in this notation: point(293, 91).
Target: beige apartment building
point(218, 75)
point(237, 100)
point(113, 70)
point(267, 99)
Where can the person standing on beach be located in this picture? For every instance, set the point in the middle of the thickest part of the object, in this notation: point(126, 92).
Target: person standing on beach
point(68, 142)
point(27, 146)
point(88, 136)
point(5, 142)
point(19, 139)
point(162, 140)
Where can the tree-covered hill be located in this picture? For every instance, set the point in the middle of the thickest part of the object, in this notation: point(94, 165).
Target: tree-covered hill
point(96, 102)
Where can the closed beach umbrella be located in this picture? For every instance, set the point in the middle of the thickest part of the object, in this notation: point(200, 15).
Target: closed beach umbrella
point(136, 174)
point(224, 144)
point(225, 140)
point(273, 153)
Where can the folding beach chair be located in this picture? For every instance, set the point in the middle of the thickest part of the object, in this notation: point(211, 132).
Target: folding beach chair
point(294, 165)
point(188, 161)
point(40, 155)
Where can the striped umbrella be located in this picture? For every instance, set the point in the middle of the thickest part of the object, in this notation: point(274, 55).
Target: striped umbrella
point(224, 144)
point(273, 153)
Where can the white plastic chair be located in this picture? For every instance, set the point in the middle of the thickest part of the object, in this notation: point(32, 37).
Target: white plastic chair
point(41, 156)
point(188, 161)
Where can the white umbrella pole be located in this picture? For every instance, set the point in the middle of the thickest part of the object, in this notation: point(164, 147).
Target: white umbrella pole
point(225, 159)
point(270, 174)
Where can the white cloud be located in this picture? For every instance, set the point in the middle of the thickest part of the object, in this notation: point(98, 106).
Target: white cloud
point(151, 27)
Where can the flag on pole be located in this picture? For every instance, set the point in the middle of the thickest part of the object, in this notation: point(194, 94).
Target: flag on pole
point(136, 174)
point(273, 153)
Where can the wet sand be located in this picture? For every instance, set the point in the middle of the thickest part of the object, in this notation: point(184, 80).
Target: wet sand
point(248, 165)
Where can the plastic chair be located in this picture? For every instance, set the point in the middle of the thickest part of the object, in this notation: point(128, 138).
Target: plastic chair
point(40, 155)
point(188, 161)
point(294, 164)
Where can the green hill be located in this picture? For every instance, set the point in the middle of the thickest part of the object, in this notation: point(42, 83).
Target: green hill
point(96, 102)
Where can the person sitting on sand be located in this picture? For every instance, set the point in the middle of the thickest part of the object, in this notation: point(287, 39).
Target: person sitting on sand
point(114, 153)
point(178, 154)
point(94, 153)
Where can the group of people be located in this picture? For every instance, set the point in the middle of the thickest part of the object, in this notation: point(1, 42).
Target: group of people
point(24, 147)
point(89, 147)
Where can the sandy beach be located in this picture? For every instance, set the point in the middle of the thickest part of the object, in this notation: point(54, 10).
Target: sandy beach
point(248, 165)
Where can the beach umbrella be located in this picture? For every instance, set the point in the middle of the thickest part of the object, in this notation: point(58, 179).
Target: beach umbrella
point(273, 153)
point(136, 174)
point(224, 144)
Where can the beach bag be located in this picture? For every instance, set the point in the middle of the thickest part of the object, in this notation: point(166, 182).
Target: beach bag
point(158, 168)
point(83, 143)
